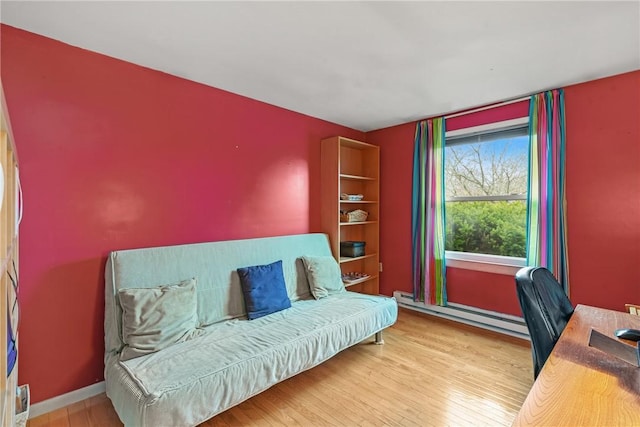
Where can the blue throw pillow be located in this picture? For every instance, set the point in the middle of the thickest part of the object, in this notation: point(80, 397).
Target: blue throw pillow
point(264, 289)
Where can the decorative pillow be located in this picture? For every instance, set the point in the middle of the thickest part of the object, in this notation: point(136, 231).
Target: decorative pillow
point(155, 318)
point(264, 289)
point(325, 277)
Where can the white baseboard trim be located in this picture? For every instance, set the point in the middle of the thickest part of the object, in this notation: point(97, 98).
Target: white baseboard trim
point(66, 399)
point(498, 322)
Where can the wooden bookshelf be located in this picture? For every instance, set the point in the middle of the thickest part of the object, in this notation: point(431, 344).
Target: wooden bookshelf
point(352, 167)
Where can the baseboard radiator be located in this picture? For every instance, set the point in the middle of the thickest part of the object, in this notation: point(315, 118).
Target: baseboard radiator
point(491, 320)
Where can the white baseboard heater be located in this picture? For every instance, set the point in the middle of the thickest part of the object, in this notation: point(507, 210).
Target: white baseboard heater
point(491, 320)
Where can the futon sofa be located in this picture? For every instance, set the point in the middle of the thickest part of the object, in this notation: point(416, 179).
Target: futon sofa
point(157, 374)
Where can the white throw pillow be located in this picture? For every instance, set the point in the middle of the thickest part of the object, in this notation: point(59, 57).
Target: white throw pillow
point(155, 318)
point(324, 275)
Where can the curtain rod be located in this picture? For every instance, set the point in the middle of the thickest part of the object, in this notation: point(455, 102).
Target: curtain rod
point(486, 107)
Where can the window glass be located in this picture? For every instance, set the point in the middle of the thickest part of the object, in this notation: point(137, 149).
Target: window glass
point(486, 192)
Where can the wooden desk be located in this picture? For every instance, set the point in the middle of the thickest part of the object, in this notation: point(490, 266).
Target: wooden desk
point(582, 386)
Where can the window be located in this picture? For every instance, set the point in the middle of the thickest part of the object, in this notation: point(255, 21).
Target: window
point(486, 171)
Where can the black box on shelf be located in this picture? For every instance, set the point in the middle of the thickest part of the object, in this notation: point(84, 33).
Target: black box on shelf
point(352, 248)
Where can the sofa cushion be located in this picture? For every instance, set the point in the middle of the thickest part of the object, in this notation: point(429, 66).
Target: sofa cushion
point(192, 381)
point(157, 317)
point(324, 275)
point(264, 289)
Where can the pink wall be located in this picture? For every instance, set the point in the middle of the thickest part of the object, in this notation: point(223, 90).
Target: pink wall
point(603, 203)
point(113, 156)
point(603, 190)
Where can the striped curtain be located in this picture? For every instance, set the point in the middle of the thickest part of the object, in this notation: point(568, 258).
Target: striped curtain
point(546, 204)
point(427, 220)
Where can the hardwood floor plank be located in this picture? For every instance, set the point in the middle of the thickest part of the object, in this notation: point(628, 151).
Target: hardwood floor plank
point(366, 395)
point(39, 421)
point(100, 412)
point(78, 415)
point(361, 406)
point(308, 399)
point(59, 418)
point(295, 404)
point(430, 372)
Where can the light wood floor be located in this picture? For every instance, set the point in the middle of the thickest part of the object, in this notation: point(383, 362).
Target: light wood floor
point(429, 372)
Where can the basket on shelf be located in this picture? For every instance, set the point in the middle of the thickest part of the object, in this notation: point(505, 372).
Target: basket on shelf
point(357, 215)
point(353, 276)
point(351, 197)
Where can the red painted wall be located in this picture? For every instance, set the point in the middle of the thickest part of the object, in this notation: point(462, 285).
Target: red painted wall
point(603, 190)
point(603, 203)
point(114, 156)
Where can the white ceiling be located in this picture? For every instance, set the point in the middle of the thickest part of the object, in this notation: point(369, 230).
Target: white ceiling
point(366, 65)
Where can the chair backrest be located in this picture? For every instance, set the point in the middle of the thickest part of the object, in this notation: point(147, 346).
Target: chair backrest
point(546, 310)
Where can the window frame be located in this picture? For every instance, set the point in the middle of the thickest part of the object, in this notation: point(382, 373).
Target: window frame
point(483, 262)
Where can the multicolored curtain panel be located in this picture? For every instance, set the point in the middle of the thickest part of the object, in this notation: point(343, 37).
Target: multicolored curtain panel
point(546, 205)
point(428, 262)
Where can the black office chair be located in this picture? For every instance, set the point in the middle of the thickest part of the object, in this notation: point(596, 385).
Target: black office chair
point(546, 310)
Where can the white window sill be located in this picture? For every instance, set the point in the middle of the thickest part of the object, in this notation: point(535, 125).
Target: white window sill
point(487, 263)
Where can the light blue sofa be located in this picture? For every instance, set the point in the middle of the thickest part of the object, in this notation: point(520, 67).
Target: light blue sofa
point(192, 381)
